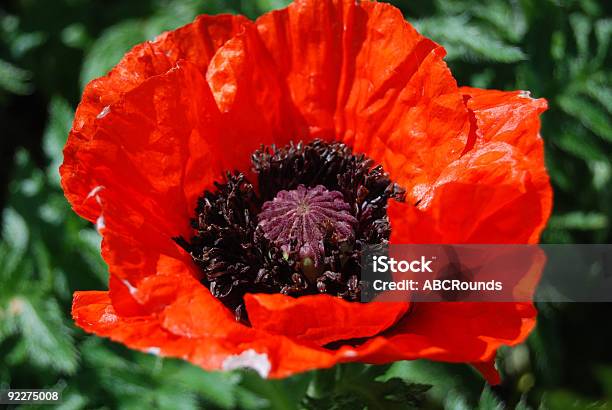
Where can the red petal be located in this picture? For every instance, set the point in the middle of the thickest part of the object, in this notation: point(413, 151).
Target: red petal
point(321, 319)
point(488, 196)
point(489, 371)
point(252, 98)
point(508, 116)
point(153, 144)
point(94, 312)
point(361, 73)
point(514, 117)
point(194, 312)
point(124, 303)
point(196, 42)
point(452, 332)
point(151, 157)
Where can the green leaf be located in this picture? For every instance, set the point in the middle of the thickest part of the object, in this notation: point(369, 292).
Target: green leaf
point(249, 400)
point(579, 221)
point(603, 32)
point(97, 355)
point(72, 400)
point(394, 393)
point(15, 230)
point(75, 35)
point(507, 17)
point(443, 377)
point(88, 240)
point(48, 340)
point(23, 43)
point(216, 388)
point(110, 47)
point(14, 79)
point(42, 259)
point(278, 394)
point(591, 116)
point(602, 173)
point(15, 238)
point(453, 400)
point(582, 28)
point(169, 397)
point(583, 146)
point(522, 405)
point(559, 399)
point(466, 40)
point(56, 132)
point(488, 401)
point(604, 375)
point(18, 355)
point(600, 92)
point(356, 386)
point(558, 45)
point(7, 328)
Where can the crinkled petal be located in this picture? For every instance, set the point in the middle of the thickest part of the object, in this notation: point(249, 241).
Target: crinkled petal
point(196, 42)
point(150, 158)
point(490, 195)
point(514, 117)
point(487, 196)
point(254, 101)
point(94, 312)
point(451, 332)
point(176, 297)
point(194, 312)
point(321, 319)
point(360, 73)
point(152, 146)
point(271, 355)
point(508, 116)
point(498, 192)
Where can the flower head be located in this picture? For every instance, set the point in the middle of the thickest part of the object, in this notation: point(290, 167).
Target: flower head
point(236, 168)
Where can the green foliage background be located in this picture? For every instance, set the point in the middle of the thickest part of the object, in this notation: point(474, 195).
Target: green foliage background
point(557, 49)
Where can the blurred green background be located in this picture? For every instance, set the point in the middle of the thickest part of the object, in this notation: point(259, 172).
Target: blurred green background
point(557, 49)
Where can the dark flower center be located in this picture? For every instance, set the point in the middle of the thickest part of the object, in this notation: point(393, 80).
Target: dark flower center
point(298, 220)
point(301, 232)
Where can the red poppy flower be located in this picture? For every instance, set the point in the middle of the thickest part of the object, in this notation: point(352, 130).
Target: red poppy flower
point(168, 122)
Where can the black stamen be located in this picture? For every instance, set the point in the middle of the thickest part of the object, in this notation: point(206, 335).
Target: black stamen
point(237, 253)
